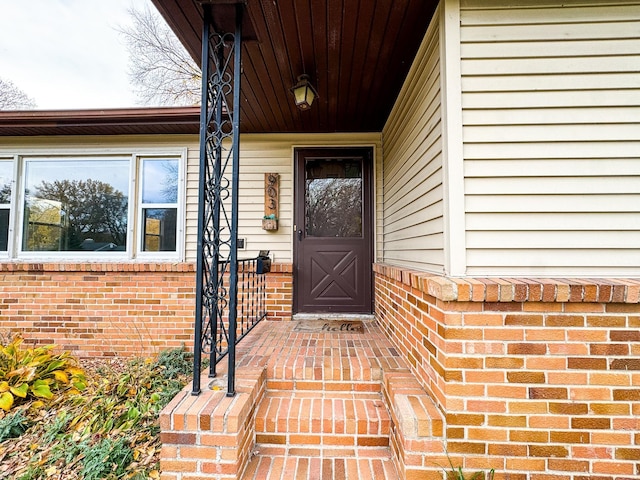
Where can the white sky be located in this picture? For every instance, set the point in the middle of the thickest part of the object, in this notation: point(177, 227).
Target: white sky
point(66, 54)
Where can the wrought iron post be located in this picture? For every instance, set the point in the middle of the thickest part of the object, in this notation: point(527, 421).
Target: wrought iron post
point(217, 262)
point(235, 183)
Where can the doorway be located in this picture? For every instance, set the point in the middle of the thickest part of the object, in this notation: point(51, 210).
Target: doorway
point(333, 230)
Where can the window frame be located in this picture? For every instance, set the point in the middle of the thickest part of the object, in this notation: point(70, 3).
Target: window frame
point(133, 251)
point(179, 205)
point(9, 252)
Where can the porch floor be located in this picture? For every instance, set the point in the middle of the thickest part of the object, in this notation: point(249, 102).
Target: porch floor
point(327, 406)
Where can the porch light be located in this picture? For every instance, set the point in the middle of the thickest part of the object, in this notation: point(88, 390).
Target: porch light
point(304, 93)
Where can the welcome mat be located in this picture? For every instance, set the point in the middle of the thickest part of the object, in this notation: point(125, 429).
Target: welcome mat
point(329, 326)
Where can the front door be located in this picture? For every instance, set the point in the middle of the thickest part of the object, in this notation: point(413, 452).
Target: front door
point(332, 246)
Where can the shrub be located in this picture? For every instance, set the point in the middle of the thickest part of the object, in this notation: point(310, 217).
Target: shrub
point(109, 430)
point(12, 426)
point(106, 458)
point(36, 373)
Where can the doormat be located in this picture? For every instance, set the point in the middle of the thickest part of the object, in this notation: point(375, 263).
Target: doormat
point(329, 326)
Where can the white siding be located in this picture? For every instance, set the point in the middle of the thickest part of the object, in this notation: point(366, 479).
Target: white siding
point(271, 153)
point(413, 176)
point(259, 154)
point(551, 131)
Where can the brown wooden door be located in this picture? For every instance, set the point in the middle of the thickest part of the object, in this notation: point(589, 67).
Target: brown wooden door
point(333, 250)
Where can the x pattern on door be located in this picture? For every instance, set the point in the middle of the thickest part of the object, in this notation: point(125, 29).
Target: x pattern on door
point(333, 275)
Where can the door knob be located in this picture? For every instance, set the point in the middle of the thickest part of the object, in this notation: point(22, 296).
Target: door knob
point(299, 234)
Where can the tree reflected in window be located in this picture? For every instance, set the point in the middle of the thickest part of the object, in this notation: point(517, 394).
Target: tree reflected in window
point(333, 198)
point(73, 214)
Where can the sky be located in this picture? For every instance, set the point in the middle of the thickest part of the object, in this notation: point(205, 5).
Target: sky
point(67, 54)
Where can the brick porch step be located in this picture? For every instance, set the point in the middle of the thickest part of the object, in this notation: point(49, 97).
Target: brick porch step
point(331, 365)
point(322, 420)
point(271, 465)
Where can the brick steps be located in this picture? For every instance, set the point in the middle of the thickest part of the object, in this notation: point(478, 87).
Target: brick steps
point(272, 465)
point(324, 368)
point(323, 415)
point(326, 420)
point(308, 406)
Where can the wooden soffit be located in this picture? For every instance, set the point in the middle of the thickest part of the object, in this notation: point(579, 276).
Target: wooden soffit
point(118, 121)
point(357, 53)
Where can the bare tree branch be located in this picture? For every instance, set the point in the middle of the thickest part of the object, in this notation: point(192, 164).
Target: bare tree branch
point(12, 98)
point(160, 68)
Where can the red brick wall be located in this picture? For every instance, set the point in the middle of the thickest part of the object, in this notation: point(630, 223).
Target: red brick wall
point(280, 292)
point(537, 379)
point(108, 309)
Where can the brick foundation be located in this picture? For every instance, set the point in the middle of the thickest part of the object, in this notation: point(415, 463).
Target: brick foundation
point(112, 309)
point(539, 379)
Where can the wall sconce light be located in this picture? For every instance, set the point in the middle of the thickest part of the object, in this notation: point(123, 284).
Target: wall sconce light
point(304, 93)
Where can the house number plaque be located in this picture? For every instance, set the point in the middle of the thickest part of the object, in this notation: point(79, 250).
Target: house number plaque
point(271, 201)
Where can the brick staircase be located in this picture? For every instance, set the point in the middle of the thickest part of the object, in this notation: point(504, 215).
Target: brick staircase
point(323, 406)
point(327, 414)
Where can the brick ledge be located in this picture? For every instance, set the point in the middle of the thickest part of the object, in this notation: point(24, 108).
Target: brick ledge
point(502, 289)
point(120, 266)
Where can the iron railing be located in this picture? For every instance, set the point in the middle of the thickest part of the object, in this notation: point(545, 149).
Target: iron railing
point(218, 267)
point(216, 328)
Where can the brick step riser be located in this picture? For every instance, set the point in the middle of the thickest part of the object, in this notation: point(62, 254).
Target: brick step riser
point(318, 441)
point(343, 414)
point(323, 386)
point(317, 370)
point(275, 464)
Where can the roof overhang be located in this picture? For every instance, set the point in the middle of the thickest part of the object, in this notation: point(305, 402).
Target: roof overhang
point(125, 121)
point(357, 54)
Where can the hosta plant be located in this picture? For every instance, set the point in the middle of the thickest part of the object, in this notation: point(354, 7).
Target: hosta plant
point(36, 373)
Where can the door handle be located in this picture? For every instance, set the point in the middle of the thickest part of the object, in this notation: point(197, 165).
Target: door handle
point(299, 234)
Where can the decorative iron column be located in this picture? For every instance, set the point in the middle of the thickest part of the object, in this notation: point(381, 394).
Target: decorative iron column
point(217, 261)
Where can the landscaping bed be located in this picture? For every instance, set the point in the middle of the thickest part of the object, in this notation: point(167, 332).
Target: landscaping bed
point(64, 419)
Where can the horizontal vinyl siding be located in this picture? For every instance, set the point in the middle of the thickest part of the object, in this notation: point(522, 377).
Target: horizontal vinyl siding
point(551, 131)
point(412, 169)
point(269, 153)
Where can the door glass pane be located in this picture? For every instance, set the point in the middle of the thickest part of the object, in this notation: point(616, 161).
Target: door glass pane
point(76, 205)
point(333, 198)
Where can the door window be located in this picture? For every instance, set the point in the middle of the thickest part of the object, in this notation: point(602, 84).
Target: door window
point(333, 197)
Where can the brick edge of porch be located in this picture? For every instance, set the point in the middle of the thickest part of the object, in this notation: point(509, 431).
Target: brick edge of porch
point(510, 289)
point(211, 435)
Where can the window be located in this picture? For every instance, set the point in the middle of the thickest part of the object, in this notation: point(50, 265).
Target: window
point(75, 205)
point(6, 174)
point(159, 204)
point(92, 207)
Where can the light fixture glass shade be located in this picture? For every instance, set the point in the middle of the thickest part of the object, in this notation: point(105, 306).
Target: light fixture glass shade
point(304, 93)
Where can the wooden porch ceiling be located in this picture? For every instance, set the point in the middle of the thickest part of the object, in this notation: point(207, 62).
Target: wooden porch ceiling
point(357, 53)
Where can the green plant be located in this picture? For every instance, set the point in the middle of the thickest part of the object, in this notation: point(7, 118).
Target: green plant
point(12, 426)
point(27, 373)
point(175, 362)
point(34, 472)
point(107, 431)
point(456, 473)
point(108, 458)
point(56, 428)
